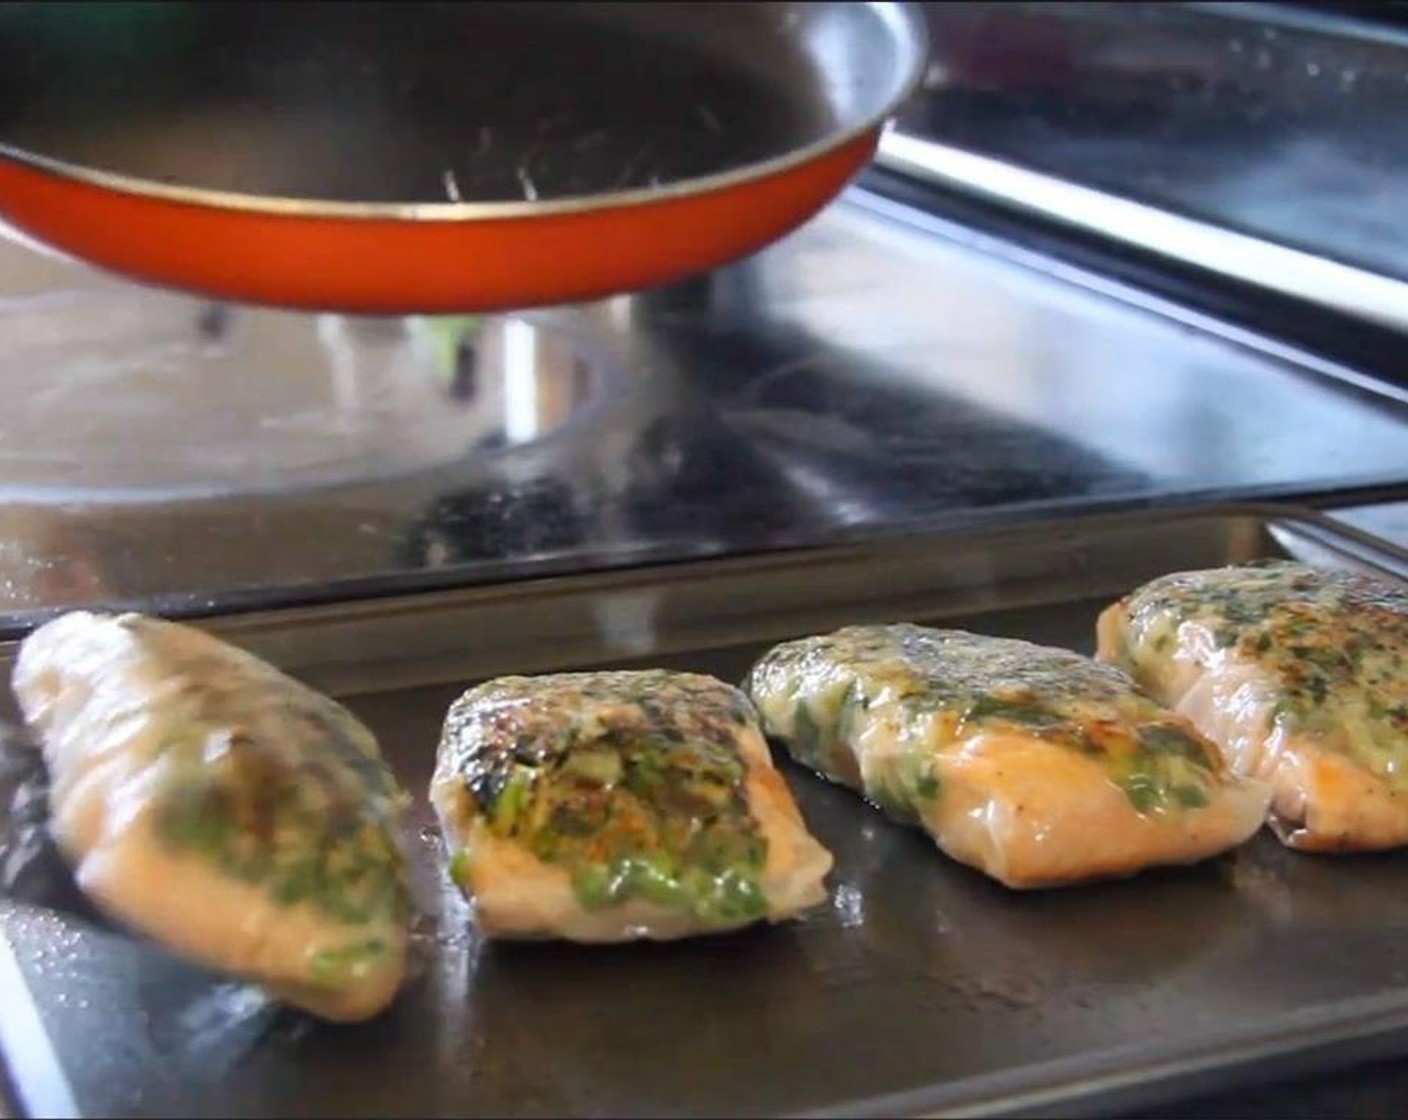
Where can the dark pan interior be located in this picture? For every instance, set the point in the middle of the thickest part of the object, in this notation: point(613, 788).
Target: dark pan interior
point(436, 102)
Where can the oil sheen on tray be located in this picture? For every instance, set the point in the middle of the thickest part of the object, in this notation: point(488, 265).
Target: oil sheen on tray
point(1036, 765)
point(619, 805)
point(1299, 674)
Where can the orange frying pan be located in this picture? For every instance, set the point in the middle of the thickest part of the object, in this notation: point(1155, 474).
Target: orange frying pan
point(436, 156)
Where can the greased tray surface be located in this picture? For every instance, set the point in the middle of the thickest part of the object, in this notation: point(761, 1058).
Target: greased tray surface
point(919, 988)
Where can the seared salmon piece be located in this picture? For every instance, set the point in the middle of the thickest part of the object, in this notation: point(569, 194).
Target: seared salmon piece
point(223, 809)
point(1301, 678)
point(1035, 765)
point(619, 805)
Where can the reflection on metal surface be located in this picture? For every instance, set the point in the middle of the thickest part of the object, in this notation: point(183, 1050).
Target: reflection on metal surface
point(1233, 255)
point(123, 394)
point(874, 373)
point(1388, 520)
point(28, 1047)
point(520, 361)
point(1261, 140)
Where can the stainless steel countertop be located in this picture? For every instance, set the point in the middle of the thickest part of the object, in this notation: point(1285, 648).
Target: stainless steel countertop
point(873, 373)
point(1273, 123)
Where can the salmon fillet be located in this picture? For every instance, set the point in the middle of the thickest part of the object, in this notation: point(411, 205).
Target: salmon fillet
point(221, 808)
point(1035, 765)
point(1299, 675)
point(619, 805)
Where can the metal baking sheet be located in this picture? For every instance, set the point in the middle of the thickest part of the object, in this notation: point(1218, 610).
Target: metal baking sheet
point(920, 989)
